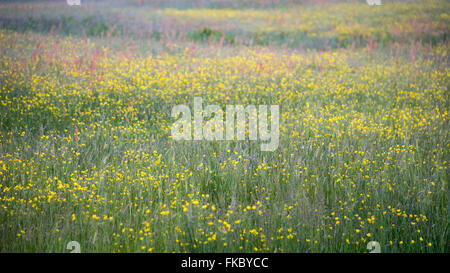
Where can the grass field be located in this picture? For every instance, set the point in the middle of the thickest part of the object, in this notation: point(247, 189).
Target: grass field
point(86, 152)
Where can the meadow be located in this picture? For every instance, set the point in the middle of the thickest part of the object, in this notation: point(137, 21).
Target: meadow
point(86, 152)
